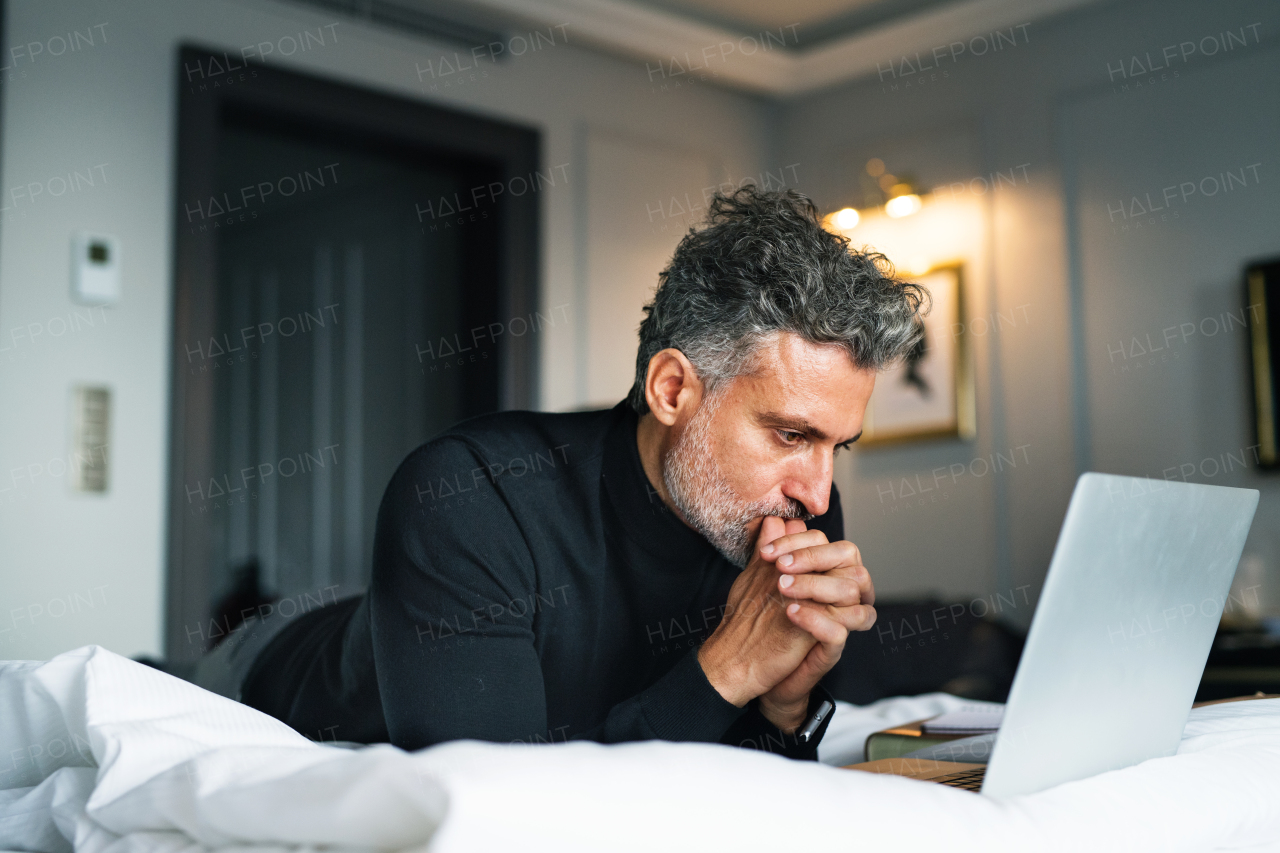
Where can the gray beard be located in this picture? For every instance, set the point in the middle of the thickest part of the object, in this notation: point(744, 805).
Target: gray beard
point(704, 497)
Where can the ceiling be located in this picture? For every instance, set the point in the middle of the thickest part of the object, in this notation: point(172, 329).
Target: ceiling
point(814, 44)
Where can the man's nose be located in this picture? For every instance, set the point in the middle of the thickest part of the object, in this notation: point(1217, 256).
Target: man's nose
point(811, 485)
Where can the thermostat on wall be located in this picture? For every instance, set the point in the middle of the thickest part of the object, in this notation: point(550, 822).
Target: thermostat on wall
point(95, 269)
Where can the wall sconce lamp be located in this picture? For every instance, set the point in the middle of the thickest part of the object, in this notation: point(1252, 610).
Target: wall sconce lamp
point(896, 194)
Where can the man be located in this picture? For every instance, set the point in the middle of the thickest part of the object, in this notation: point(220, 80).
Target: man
point(673, 568)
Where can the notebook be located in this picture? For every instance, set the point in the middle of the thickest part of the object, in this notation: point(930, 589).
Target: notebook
point(968, 720)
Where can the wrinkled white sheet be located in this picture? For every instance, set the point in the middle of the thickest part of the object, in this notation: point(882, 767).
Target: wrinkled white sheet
point(108, 756)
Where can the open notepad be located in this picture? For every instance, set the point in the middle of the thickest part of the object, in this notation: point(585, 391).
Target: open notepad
point(969, 720)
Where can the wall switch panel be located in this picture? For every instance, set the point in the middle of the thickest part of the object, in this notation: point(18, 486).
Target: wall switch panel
point(95, 269)
point(91, 418)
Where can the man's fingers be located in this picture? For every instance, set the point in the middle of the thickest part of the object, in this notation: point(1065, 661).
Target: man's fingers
point(816, 556)
point(818, 624)
point(859, 617)
point(822, 657)
point(783, 545)
point(856, 617)
point(833, 588)
point(795, 525)
point(840, 559)
point(771, 528)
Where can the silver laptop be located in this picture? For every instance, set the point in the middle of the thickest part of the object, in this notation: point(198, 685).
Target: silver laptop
point(1132, 600)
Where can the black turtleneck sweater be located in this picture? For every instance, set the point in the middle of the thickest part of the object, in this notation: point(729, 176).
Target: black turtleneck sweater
point(529, 585)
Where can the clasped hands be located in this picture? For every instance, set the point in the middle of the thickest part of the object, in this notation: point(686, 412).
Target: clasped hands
point(786, 620)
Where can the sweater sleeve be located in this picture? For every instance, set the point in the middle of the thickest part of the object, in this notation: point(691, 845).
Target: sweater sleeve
point(680, 706)
point(754, 731)
point(453, 660)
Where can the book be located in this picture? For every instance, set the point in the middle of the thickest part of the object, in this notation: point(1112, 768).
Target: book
point(899, 740)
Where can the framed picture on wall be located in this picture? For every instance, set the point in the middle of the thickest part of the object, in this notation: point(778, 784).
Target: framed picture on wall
point(929, 394)
point(1262, 282)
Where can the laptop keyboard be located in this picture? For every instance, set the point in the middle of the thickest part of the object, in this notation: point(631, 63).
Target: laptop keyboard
point(969, 780)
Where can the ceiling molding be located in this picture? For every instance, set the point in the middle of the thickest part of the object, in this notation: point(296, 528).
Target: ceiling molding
point(657, 37)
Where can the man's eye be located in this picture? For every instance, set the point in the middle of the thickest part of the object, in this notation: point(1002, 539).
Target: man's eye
point(840, 447)
point(789, 437)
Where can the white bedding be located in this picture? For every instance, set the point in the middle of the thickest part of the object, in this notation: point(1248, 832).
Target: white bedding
point(110, 756)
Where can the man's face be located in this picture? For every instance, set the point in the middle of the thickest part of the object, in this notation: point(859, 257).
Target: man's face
point(763, 444)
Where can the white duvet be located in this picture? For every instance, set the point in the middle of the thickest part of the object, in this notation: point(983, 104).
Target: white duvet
point(104, 755)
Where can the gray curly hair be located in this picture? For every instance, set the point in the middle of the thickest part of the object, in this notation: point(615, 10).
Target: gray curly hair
point(765, 264)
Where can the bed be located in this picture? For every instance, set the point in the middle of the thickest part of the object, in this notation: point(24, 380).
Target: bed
point(99, 754)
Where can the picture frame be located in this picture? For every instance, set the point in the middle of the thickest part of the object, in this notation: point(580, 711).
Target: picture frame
point(1262, 290)
point(930, 393)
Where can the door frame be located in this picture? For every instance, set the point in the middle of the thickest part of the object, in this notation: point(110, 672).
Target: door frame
point(212, 83)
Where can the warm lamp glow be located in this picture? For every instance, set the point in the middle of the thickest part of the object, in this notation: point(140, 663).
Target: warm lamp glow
point(945, 230)
point(846, 218)
point(903, 205)
point(916, 265)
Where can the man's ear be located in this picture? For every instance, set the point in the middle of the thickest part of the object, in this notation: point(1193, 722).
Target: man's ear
point(671, 385)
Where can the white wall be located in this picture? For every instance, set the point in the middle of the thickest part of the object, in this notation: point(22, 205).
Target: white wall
point(113, 104)
point(1051, 262)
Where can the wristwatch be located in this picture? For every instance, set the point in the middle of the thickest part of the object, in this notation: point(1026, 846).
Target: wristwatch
point(812, 728)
